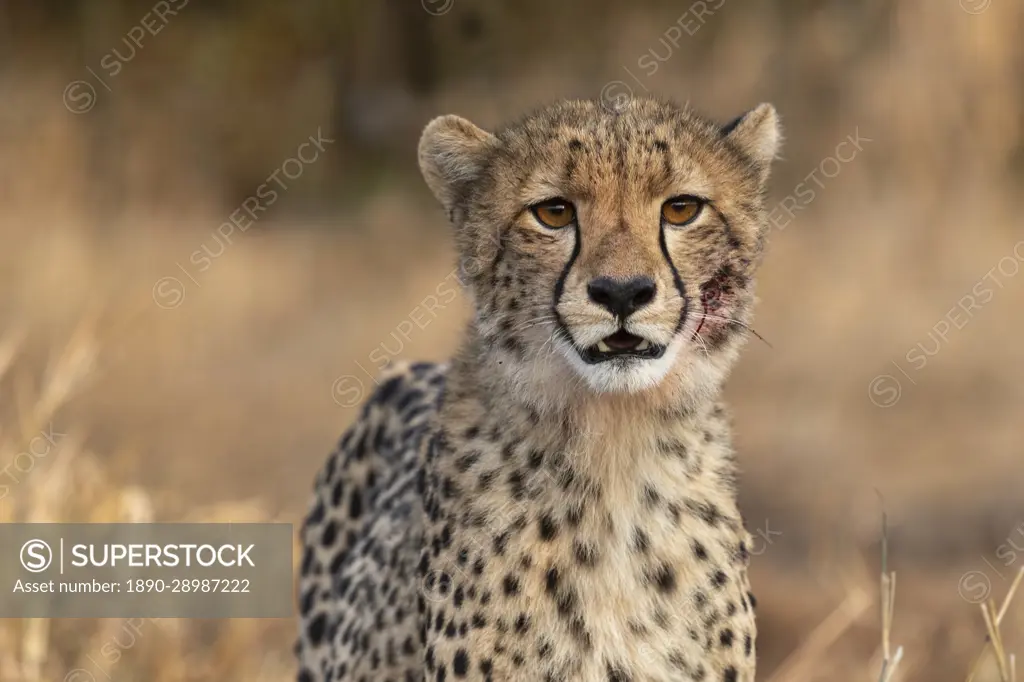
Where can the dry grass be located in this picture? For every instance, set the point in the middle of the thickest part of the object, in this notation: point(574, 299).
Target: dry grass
point(76, 486)
point(814, 657)
point(1007, 663)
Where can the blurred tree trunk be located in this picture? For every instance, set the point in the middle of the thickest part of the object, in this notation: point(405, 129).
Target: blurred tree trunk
point(384, 63)
point(418, 59)
point(97, 23)
point(6, 37)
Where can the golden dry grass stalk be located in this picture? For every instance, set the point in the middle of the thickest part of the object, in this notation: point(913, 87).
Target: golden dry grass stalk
point(72, 485)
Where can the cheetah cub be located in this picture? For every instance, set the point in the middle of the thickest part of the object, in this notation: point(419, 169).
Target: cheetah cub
point(558, 501)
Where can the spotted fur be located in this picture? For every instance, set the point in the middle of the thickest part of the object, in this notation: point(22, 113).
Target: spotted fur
point(522, 514)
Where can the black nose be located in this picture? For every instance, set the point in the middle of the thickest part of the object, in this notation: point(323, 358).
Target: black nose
point(621, 297)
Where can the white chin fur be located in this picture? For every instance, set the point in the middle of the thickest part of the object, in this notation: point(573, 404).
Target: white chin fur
point(615, 376)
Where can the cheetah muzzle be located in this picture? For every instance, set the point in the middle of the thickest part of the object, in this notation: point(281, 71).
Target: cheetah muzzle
point(558, 501)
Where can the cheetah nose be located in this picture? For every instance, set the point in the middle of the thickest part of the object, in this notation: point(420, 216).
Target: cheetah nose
point(621, 297)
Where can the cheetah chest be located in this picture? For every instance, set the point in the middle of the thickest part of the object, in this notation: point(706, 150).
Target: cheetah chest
point(633, 595)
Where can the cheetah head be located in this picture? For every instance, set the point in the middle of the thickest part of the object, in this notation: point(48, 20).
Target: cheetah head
point(617, 247)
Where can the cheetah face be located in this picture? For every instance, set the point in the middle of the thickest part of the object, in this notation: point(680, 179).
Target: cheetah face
point(622, 244)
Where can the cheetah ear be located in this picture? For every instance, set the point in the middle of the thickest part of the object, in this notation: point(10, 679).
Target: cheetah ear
point(758, 135)
point(452, 154)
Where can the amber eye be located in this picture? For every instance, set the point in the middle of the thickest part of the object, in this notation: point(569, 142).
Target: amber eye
point(555, 213)
point(681, 210)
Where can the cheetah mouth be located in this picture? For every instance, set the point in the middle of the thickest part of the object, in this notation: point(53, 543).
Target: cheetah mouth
point(621, 344)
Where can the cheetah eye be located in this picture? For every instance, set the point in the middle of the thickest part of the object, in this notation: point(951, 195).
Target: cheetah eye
point(681, 210)
point(554, 213)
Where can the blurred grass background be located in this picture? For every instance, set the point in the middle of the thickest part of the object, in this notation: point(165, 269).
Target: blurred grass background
point(218, 393)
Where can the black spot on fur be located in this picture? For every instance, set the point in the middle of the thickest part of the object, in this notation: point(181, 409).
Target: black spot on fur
point(548, 527)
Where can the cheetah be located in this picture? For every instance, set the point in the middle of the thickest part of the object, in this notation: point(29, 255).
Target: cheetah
point(557, 502)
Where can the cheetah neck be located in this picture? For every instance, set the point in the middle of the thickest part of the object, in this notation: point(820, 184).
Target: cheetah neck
point(612, 448)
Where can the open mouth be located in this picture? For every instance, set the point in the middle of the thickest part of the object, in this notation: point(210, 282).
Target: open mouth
point(621, 344)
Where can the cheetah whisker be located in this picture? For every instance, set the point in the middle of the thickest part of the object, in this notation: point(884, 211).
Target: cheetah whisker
point(700, 338)
point(732, 320)
point(529, 325)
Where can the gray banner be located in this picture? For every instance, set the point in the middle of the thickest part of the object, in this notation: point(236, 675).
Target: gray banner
point(146, 570)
